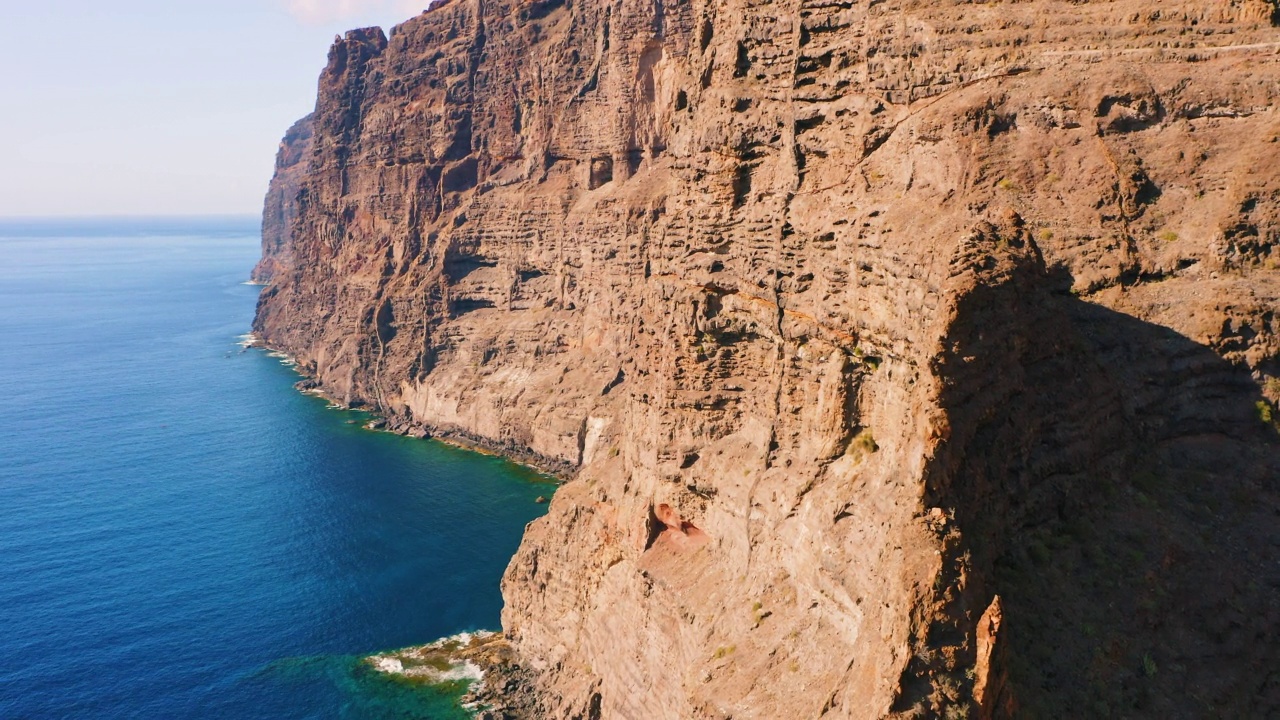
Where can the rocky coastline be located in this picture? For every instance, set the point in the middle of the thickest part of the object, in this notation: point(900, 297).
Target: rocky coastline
point(409, 426)
point(902, 359)
point(498, 688)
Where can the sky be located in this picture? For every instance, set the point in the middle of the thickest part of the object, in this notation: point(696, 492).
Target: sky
point(159, 107)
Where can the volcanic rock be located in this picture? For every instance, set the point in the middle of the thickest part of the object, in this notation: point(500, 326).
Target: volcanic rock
point(847, 317)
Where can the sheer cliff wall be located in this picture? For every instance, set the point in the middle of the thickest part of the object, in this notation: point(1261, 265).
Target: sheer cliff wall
point(910, 358)
point(281, 206)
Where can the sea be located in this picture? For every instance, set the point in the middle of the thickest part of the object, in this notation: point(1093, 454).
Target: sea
point(185, 535)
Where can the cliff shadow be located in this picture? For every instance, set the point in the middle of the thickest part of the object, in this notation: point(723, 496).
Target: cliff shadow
point(1115, 483)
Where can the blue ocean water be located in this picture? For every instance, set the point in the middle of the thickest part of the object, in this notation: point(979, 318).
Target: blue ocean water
point(182, 534)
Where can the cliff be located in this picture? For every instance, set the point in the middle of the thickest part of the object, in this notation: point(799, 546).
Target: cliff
point(914, 359)
point(281, 206)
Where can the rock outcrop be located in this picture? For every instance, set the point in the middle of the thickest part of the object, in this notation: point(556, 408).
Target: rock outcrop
point(850, 317)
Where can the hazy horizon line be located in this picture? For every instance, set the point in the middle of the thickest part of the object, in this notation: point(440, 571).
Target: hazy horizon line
point(131, 216)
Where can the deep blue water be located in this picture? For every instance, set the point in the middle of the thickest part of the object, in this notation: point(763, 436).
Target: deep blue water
point(182, 534)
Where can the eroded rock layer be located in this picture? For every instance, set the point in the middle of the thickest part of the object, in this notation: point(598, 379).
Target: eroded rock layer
point(914, 358)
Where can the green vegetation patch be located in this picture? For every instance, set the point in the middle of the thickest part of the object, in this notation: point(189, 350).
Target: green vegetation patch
point(1267, 414)
point(864, 443)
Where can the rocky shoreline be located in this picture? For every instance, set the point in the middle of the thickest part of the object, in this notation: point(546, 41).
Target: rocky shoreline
point(406, 425)
point(403, 424)
point(499, 689)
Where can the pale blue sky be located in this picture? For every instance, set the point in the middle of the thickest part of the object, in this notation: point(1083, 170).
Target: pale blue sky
point(173, 107)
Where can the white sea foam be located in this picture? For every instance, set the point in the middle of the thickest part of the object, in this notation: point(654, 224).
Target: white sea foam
point(465, 670)
point(285, 358)
point(248, 340)
point(410, 661)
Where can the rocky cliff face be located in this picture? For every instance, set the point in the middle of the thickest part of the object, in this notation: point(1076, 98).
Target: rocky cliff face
point(281, 207)
point(914, 359)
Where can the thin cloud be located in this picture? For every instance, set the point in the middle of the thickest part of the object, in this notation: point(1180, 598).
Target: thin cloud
point(319, 12)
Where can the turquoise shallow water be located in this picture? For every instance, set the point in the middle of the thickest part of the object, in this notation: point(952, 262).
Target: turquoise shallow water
point(182, 534)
